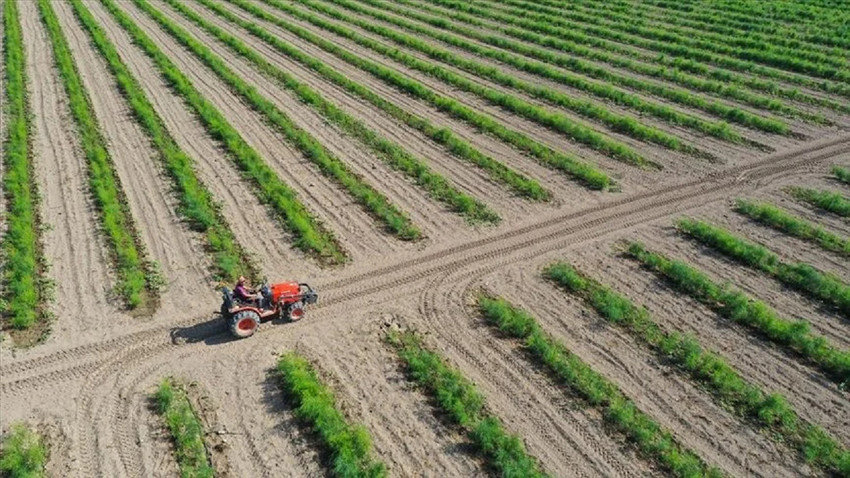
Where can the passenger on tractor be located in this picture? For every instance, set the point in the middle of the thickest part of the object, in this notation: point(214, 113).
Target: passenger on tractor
point(243, 294)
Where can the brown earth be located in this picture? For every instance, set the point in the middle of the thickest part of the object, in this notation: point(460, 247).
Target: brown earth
point(88, 387)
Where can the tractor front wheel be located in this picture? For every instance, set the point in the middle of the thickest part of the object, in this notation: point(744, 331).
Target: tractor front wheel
point(244, 324)
point(295, 311)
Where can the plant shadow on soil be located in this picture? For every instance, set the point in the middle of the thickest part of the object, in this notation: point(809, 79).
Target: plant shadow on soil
point(306, 442)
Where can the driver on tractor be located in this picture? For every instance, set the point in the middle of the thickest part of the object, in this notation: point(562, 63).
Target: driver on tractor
point(243, 294)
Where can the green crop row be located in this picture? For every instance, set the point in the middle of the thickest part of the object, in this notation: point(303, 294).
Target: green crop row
point(23, 452)
point(721, 27)
point(314, 403)
point(584, 172)
point(23, 263)
point(682, 56)
point(543, 116)
point(769, 411)
point(659, 39)
point(196, 203)
point(374, 202)
point(136, 279)
point(801, 276)
point(793, 335)
point(827, 200)
point(793, 225)
point(309, 235)
point(460, 148)
point(841, 174)
point(187, 431)
point(570, 40)
point(568, 63)
point(464, 405)
point(393, 154)
point(616, 409)
point(798, 60)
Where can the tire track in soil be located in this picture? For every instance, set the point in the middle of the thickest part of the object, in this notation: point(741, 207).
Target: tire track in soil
point(358, 232)
point(564, 438)
point(498, 250)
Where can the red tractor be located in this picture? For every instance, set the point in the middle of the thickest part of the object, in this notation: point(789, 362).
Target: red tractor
point(285, 300)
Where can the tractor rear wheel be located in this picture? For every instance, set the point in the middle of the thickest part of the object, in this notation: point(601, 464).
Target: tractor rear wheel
point(295, 311)
point(244, 324)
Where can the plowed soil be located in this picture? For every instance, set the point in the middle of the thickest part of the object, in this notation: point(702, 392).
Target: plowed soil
point(88, 386)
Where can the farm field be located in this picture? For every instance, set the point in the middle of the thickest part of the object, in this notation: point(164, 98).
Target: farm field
point(549, 237)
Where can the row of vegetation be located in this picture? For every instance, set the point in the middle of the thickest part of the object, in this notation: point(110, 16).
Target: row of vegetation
point(842, 174)
point(138, 283)
point(186, 429)
point(458, 147)
point(828, 201)
point(617, 410)
point(308, 234)
point(458, 398)
point(721, 27)
point(655, 39)
point(393, 154)
point(677, 70)
point(543, 116)
point(196, 203)
point(374, 202)
point(803, 61)
point(688, 56)
point(771, 412)
point(801, 276)
point(788, 223)
point(572, 63)
point(793, 335)
point(584, 172)
point(605, 91)
point(23, 452)
point(314, 403)
point(23, 265)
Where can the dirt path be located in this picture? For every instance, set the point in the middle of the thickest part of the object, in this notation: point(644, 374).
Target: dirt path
point(106, 381)
point(178, 251)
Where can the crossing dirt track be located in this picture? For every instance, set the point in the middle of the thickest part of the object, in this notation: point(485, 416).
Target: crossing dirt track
point(412, 161)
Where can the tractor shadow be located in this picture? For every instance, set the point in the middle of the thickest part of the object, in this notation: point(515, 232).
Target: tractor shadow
point(211, 332)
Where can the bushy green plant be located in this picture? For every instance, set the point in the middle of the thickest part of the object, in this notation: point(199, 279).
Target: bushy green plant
point(826, 200)
point(308, 234)
point(196, 205)
point(459, 398)
point(186, 429)
point(134, 273)
point(584, 172)
point(349, 445)
point(793, 225)
point(23, 453)
point(621, 413)
point(794, 336)
point(842, 174)
point(715, 374)
point(390, 152)
point(801, 276)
